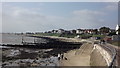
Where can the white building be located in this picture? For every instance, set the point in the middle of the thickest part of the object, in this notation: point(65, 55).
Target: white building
point(79, 31)
point(117, 27)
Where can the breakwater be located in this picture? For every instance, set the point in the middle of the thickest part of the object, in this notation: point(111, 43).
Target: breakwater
point(51, 43)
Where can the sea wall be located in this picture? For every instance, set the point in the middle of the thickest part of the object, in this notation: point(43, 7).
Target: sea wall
point(100, 56)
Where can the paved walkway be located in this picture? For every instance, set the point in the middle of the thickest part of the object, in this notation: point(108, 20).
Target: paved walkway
point(80, 59)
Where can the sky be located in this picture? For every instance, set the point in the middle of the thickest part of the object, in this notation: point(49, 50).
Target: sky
point(45, 16)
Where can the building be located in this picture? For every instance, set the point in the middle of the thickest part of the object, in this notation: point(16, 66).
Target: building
point(79, 31)
point(116, 37)
point(54, 31)
point(89, 31)
point(112, 30)
point(72, 31)
point(117, 29)
point(61, 30)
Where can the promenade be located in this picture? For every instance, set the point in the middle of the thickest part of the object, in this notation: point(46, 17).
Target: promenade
point(78, 57)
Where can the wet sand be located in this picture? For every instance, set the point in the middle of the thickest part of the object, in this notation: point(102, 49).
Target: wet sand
point(31, 57)
point(27, 57)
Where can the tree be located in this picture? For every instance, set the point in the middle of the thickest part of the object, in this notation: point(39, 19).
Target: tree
point(112, 33)
point(96, 31)
point(104, 30)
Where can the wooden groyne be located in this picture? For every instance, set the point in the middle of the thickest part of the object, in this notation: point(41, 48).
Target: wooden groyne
point(52, 43)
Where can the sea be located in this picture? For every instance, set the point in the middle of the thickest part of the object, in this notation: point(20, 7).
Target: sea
point(12, 38)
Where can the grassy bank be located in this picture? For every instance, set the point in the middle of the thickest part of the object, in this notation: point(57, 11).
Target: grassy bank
point(47, 34)
point(68, 35)
point(98, 36)
point(56, 34)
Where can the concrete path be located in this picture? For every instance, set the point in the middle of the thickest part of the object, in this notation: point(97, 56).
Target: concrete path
point(78, 57)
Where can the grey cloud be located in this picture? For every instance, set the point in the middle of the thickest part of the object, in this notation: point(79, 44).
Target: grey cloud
point(21, 20)
point(87, 18)
point(112, 6)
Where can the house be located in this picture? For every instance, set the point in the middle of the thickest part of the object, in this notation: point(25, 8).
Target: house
point(79, 31)
point(49, 32)
point(67, 32)
point(91, 31)
point(112, 30)
point(54, 31)
point(61, 31)
point(72, 31)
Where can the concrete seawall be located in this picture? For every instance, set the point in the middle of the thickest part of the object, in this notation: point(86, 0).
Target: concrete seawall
point(90, 54)
point(97, 58)
point(101, 57)
point(98, 55)
point(102, 54)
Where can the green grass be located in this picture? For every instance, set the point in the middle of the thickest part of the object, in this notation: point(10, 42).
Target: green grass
point(47, 34)
point(116, 43)
point(98, 35)
point(67, 35)
point(56, 34)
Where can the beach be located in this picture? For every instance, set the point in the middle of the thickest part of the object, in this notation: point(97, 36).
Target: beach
point(27, 56)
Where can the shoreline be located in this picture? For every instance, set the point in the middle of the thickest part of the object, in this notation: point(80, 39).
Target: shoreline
point(51, 42)
point(66, 46)
point(26, 53)
point(54, 52)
